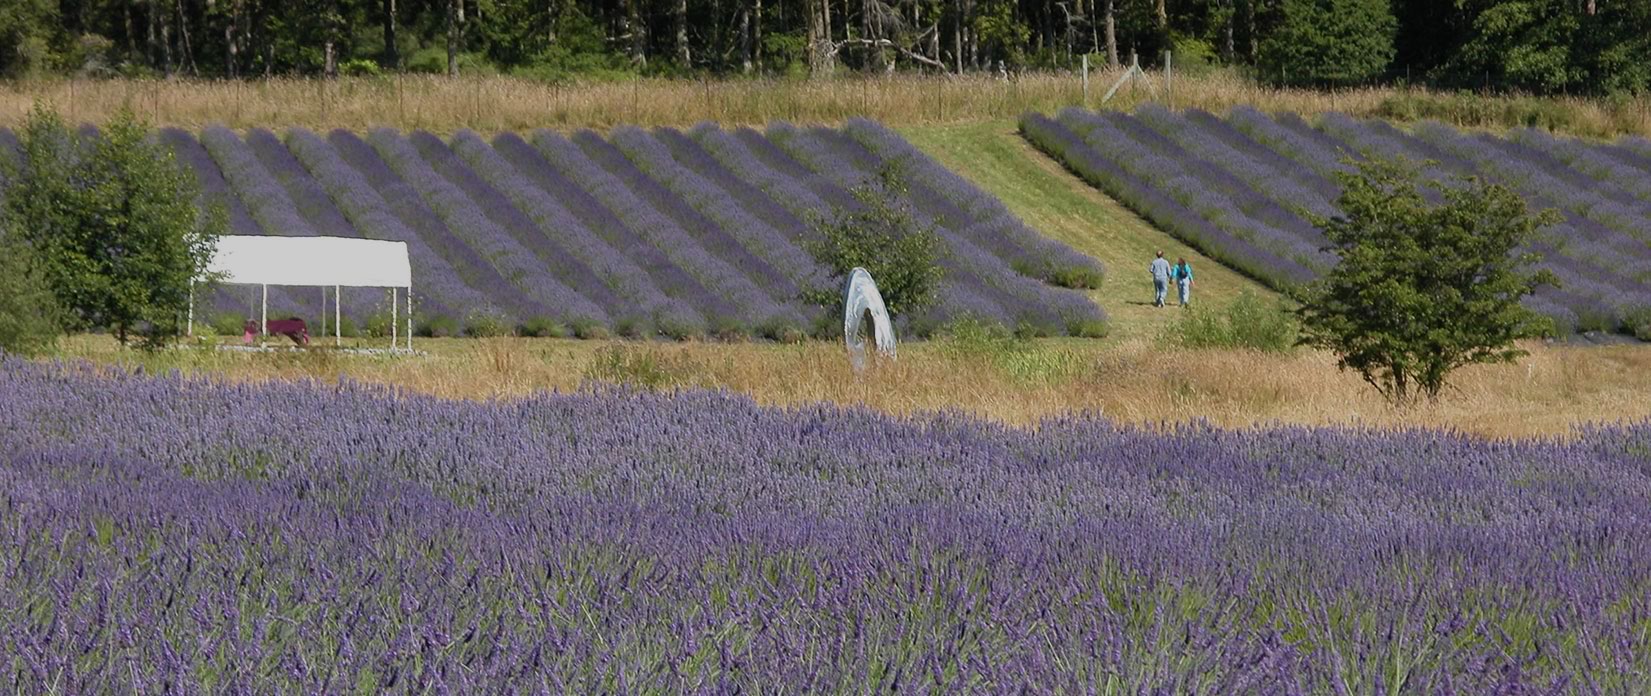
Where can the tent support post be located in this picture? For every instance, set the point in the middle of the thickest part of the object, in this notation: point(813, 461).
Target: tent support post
point(323, 330)
point(409, 318)
point(263, 329)
point(395, 301)
point(337, 315)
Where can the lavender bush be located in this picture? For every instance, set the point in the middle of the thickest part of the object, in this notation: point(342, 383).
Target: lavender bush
point(1246, 190)
point(159, 537)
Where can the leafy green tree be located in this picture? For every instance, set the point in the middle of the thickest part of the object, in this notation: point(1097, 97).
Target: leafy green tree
point(28, 311)
point(1329, 43)
point(1422, 289)
point(114, 220)
point(883, 237)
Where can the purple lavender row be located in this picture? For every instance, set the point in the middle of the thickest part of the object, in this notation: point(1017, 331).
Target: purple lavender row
point(702, 161)
point(541, 294)
point(1272, 200)
point(353, 538)
point(409, 208)
point(1011, 240)
point(1584, 210)
point(1326, 161)
point(523, 233)
point(310, 200)
point(366, 209)
point(798, 200)
point(1593, 162)
point(1133, 174)
point(671, 279)
point(752, 306)
point(1255, 245)
point(777, 249)
point(720, 243)
point(1281, 166)
point(1223, 188)
point(1200, 140)
point(266, 203)
point(214, 189)
point(622, 277)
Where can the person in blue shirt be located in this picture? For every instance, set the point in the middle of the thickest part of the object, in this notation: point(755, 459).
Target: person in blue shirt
point(1160, 279)
point(1182, 274)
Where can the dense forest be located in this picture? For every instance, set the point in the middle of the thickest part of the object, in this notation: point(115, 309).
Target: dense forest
point(1537, 46)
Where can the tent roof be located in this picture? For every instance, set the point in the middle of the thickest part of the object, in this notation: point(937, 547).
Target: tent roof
point(315, 261)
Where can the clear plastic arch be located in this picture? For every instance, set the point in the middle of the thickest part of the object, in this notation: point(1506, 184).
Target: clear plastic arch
point(861, 299)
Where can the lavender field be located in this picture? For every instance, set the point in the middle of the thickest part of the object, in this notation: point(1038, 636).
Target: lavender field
point(159, 534)
point(639, 233)
point(1244, 189)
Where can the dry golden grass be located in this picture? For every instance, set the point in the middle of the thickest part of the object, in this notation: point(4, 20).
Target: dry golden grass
point(503, 103)
point(1136, 381)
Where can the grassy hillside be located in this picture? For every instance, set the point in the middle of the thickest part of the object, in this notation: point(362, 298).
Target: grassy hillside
point(1053, 201)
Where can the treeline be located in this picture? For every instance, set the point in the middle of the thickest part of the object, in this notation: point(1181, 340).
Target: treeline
point(1538, 46)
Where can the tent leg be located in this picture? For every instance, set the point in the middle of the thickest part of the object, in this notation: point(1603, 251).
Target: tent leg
point(409, 318)
point(395, 302)
point(337, 315)
point(263, 329)
point(323, 330)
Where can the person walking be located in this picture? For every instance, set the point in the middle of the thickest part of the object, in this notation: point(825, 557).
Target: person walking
point(1160, 279)
point(1182, 274)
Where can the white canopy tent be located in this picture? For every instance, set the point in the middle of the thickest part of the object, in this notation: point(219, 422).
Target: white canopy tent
point(336, 262)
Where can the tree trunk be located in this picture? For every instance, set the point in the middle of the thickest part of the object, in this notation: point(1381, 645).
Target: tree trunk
point(166, 37)
point(230, 48)
point(329, 47)
point(1160, 14)
point(1227, 50)
point(1111, 34)
point(392, 55)
point(455, 35)
point(756, 33)
point(745, 41)
point(683, 56)
point(1255, 44)
point(957, 39)
point(635, 30)
point(183, 40)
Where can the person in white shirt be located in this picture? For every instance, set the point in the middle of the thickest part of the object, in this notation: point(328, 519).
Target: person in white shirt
point(1160, 279)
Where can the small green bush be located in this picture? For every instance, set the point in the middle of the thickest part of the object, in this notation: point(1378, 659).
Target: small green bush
point(437, 327)
point(1595, 321)
point(589, 329)
point(1637, 323)
point(228, 324)
point(542, 327)
point(486, 325)
point(378, 325)
point(1246, 322)
point(643, 367)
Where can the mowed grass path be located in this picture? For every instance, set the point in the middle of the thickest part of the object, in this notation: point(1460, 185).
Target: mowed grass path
point(1059, 204)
